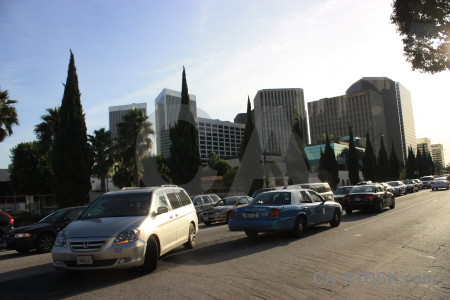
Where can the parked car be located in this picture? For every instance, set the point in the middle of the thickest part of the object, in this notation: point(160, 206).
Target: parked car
point(263, 190)
point(40, 236)
point(426, 181)
point(39, 214)
point(388, 187)
point(221, 211)
point(411, 186)
point(204, 202)
point(6, 223)
point(340, 193)
point(323, 188)
point(285, 210)
point(419, 184)
point(440, 183)
point(127, 229)
point(368, 197)
point(398, 186)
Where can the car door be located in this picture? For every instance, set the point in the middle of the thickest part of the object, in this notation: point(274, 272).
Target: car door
point(311, 208)
point(324, 212)
point(164, 223)
point(178, 215)
point(184, 216)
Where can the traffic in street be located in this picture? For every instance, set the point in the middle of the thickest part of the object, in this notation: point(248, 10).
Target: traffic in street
point(402, 253)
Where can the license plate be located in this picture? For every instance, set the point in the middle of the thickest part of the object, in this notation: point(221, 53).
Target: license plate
point(250, 215)
point(84, 260)
point(357, 199)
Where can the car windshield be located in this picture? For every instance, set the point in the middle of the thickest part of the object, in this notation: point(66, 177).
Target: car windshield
point(227, 201)
point(280, 198)
point(342, 190)
point(124, 205)
point(59, 215)
point(363, 189)
point(408, 181)
point(426, 178)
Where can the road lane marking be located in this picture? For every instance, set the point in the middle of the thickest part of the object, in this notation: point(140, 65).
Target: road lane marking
point(397, 211)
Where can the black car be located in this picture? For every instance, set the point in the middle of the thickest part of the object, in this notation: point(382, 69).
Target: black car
point(6, 223)
point(40, 236)
point(370, 197)
point(38, 215)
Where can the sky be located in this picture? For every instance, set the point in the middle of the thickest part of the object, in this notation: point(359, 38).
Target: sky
point(128, 51)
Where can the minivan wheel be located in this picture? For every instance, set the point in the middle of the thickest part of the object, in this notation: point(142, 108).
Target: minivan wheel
point(151, 256)
point(44, 242)
point(191, 240)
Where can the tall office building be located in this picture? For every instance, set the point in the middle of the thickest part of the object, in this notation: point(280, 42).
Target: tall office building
point(116, 114)
point(375, 105)
point(424, 146)
point(221, 137)
point(275, 110)
point(437, 154)
point(167, 109)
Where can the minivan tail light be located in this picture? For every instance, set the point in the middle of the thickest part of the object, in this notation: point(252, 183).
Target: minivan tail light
point(275, 212)
point(11, 221)
point(348, 197)
point(233, 214)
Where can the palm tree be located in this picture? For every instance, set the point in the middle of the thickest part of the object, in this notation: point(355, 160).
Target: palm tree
point(132, 146)
point(8, 115)
point(45, 131)
point(101, 153)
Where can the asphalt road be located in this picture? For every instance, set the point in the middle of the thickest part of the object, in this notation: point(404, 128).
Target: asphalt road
point(400, 253)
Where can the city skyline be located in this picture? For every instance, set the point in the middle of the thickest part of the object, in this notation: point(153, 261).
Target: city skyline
point(128, 53)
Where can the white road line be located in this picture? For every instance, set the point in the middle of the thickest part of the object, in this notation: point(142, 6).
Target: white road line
point(387, 215)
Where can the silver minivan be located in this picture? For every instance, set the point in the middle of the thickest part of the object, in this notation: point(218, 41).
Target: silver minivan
point(128, 228)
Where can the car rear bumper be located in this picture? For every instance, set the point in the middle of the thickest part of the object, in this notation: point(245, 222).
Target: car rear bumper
point(262, 225)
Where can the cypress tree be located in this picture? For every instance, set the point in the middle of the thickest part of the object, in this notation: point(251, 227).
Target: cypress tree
point(184, 152)
point(328, 166)
point(250, 174)
point(352, 161)
point(411, 164)
point(430, 165)
point(70, 163)
point(369, 161)
point(383, 163)
point(297, 163)
point(249, 127)
point(394, 165)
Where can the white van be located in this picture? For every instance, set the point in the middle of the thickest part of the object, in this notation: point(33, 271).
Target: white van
point(128, 228)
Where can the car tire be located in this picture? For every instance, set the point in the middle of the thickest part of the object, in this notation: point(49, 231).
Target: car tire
point(380, 206)
point(348, 211)
point(392, 206)
point(299, 228)
point(207, 223)
point(190, 244)
point(44, 242)
point(336, 219)
point(251, 233)
point(151, 256)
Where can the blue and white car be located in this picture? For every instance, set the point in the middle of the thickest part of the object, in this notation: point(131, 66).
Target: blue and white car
point(285, 210)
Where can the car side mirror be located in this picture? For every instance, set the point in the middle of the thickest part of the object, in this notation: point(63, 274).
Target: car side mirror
point(162, 210)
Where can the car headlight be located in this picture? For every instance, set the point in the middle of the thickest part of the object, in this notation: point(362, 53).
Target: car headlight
point(21, 235)
point(61, 239)
point(127, 236)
